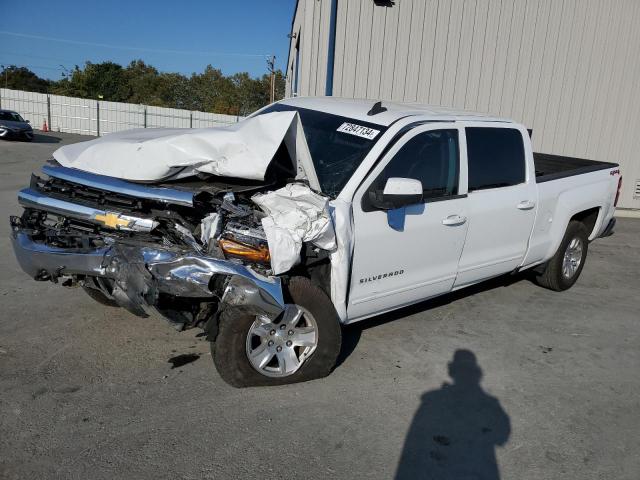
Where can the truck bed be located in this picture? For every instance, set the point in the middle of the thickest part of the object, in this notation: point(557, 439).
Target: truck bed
point(552, 167)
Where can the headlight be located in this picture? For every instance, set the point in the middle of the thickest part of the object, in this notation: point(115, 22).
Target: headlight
point(232, 248)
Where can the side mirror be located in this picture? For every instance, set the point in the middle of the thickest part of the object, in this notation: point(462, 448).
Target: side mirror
point(398, 192)
point(28, 121)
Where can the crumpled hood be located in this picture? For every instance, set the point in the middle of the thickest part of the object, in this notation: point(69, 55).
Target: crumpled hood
point(242, 150)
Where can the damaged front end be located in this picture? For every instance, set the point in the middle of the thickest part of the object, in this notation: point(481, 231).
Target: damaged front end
point(184, 250)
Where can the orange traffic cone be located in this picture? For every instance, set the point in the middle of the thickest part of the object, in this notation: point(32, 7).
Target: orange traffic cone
point(45, 127)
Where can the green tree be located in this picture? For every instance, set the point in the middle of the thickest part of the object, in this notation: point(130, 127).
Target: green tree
point(174, 90)
point(138, 82)
point(142, 83)
point(211, 91)
point(21, 78)
point(105, 80)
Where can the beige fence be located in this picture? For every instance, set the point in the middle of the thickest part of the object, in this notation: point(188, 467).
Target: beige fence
point(98, 117)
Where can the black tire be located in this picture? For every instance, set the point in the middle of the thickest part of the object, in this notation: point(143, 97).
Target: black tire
point(229, 348)
point(552, 276)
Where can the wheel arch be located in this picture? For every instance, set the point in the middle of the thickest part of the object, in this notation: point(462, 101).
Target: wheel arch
point(581, 203)
point(589, 218)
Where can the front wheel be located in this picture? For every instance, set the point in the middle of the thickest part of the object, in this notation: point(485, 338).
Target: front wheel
point(564, 268)
point(301, 344)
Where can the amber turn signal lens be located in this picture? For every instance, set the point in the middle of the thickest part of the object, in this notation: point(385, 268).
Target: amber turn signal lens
point(230, 247)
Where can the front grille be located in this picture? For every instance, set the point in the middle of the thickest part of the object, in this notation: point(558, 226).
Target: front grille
point(84, 195)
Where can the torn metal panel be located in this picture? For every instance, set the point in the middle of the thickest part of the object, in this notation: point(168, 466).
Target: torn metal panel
point(295, 214)
point(209, 228)
point(189, 275)
point(140, 273)
point(242, 150)
point(243, 293)
point(341, 255)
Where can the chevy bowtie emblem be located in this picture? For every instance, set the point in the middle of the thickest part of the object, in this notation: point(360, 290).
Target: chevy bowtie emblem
point(113, 220)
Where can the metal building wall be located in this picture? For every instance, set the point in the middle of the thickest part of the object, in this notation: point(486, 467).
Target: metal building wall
point(566, 68)
point(310, 30)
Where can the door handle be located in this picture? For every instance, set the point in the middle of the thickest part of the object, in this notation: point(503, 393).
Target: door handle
point(453, 220)
point(526, 205)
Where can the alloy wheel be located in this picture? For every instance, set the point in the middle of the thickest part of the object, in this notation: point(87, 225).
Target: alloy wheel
point(278, 348)
point(572, 258)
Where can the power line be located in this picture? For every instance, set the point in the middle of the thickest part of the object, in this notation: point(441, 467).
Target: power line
point(130, 48)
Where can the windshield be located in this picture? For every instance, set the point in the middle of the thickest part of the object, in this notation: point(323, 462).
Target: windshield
point(11, 117)
point(337, 144)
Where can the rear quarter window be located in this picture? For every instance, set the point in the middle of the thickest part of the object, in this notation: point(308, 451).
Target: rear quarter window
point(496, 157)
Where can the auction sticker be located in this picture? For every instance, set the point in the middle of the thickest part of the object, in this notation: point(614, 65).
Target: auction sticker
point(358, 130)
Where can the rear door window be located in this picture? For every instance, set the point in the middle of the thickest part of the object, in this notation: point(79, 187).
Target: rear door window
point(496, 157)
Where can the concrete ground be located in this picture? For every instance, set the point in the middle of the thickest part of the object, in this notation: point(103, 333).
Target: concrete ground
point(92, 392)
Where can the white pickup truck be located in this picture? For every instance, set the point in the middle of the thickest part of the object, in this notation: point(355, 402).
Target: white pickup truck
point(394, 204)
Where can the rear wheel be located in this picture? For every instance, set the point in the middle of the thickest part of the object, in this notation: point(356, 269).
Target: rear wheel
point(301, 344)
point(564, 268)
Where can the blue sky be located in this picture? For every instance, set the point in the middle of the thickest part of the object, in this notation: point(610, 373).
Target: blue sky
point(173, 36)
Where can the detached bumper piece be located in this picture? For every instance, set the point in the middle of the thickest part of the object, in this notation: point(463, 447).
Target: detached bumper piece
point(139, 274)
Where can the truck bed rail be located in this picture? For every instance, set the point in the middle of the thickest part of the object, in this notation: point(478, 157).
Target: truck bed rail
point(552, 167)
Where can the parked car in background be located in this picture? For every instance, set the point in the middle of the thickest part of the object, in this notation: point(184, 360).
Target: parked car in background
point(13, 126)
point(355, 209)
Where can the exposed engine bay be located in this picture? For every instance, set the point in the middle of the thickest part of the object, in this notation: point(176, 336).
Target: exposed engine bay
point(178, 248)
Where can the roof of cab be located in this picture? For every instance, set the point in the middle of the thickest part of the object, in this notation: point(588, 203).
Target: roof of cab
point(358, 108)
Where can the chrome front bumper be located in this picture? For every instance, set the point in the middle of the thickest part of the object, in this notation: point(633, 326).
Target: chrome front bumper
point(140, 273)
point(43, 262)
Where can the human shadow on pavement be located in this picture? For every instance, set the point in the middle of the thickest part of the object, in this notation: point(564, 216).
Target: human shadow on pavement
point(456, 429)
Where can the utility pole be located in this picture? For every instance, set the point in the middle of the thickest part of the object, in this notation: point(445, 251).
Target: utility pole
point(271, 66)
point(65, 72)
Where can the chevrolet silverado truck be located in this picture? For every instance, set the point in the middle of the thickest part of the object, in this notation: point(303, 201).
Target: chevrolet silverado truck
point(271, 239)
